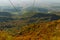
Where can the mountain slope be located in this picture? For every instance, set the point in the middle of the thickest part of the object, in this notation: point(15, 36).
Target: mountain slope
point(40, 31)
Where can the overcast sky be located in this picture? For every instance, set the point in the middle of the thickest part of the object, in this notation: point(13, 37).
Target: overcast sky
point(25, 2)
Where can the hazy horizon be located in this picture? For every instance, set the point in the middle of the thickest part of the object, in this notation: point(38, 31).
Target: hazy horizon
point(25, 2)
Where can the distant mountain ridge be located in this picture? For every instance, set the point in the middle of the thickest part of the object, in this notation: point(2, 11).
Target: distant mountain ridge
point(40, 16)
point(5, 17)
point(5, 14)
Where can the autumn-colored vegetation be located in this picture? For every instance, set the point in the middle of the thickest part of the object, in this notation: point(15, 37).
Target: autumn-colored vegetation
point(34, 31)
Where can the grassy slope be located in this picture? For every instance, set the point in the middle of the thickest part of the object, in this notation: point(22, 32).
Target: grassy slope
point(40, 31)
